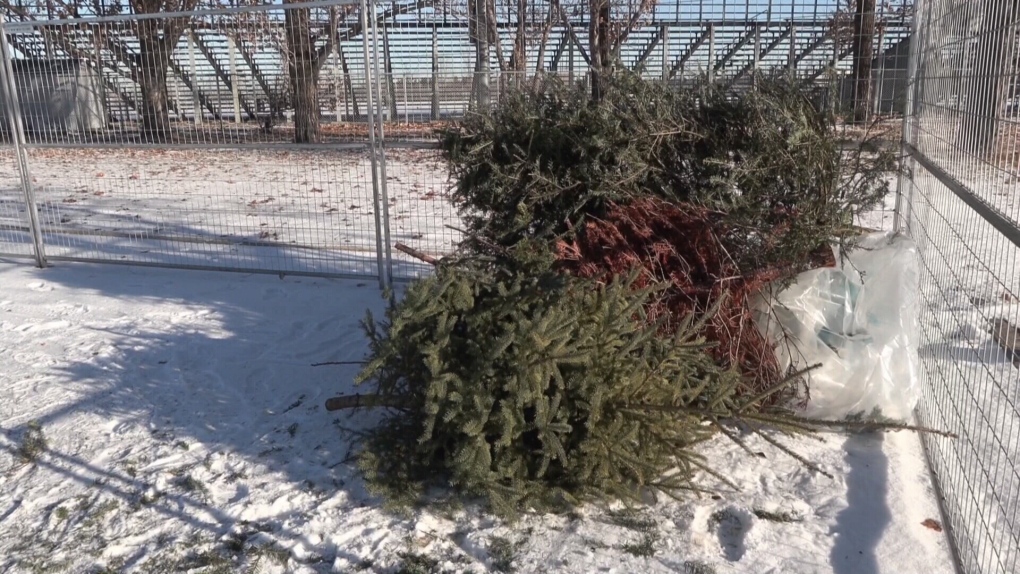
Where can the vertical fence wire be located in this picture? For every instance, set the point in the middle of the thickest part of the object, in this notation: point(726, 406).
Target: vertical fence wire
point(960, 204)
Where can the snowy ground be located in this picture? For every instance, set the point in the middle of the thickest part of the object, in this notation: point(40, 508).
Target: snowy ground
point(184, 429)
point(293, 211)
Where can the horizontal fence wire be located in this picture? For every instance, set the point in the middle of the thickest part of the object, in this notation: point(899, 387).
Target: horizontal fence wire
point(961, 205)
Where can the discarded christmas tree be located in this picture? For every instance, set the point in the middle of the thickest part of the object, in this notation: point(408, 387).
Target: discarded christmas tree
point(714, 194)
point(533, 389)
point(594, 328)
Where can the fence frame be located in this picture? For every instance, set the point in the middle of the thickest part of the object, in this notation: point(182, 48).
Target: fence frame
point(374, 117)
point(10, 91)
point(374, 36)
point(976, 547)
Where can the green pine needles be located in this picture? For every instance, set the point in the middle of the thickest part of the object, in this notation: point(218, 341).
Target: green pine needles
point(528, 388)
point(769, 160)
point(534, 390)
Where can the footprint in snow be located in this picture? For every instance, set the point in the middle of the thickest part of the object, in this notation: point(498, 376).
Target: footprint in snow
point(732, 525)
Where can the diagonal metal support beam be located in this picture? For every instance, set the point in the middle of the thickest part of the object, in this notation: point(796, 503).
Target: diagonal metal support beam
point(764, 53)
point(640, 65)
point(832, 64)
point(211, 58)
point(690, 52)
point(188, 83)
point(821, 39)
point(573, 36)
point(252, 65)
point(560, 48)
point(744, 40)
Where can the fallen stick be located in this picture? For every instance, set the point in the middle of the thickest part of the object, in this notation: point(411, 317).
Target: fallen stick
point(338, 363)
point(416, 254)
point(369, 401)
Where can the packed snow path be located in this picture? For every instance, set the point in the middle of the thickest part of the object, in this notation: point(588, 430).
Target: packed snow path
point(184, 430)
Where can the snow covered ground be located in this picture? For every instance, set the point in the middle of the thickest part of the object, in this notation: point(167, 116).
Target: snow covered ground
point(184, 431)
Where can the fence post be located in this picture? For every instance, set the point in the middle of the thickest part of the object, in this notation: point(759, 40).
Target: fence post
point(337, 81)
point(791, 62)
point(380, 144)
point(373, 111)
point(909, 119)
point(372, 148)
point(435, 74)
point(18, 132)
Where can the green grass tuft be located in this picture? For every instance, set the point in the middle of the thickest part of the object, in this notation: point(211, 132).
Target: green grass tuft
point(33, 442)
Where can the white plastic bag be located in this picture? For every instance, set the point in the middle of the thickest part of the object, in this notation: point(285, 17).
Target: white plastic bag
point(860, 323)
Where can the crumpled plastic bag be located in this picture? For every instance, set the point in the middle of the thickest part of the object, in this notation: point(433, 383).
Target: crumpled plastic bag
point(859, 321)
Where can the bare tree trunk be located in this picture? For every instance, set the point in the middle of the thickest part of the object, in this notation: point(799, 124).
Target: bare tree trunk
point(519, 56)
point(303, 75)
point(349, 82)
point(152, 79)
point(480, 84)
point(988, 84)
point(490, 14)
point(863, 53)
point(540, 65)
point(598, 45)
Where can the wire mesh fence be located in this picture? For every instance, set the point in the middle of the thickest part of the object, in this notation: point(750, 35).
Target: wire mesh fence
point(145, 142)
point(300, 138)
point(276, 107)
point(960, 204)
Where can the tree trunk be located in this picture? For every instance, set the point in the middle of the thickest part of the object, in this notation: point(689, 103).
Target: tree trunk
point(519, 56)
point(303, 75)
point(864, 55)
point(490, 15)
point(598, 46)
point(540, 63)
point(480, 83)
point(349, 83)
point(986, 86)
point(152, 76)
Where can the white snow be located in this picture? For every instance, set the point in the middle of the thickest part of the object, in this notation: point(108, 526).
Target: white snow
point(183, 418)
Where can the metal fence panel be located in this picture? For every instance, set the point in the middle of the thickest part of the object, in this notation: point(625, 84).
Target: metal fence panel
point(960, 204)
point(201, 139)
